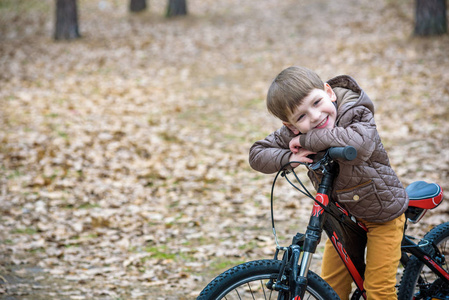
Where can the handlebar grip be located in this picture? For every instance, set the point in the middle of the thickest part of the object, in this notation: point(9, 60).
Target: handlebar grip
point(344, 153)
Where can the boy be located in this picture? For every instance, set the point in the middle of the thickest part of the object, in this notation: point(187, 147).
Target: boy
point(316, 116)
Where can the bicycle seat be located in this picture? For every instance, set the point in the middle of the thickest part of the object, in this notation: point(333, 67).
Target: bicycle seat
point(424, 195)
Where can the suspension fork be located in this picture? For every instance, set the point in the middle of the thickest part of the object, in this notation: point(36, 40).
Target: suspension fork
point(313, 233)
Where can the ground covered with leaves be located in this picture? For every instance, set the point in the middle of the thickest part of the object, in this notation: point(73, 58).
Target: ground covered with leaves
point(123, 155)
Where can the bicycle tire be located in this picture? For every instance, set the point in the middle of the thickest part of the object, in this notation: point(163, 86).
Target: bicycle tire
point(418, 281)
point(247, 281)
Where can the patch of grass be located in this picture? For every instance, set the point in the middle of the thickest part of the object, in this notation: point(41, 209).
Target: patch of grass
point(249, 245)
point(15, 174)
point(63, 134)
point(92, 236)
point(160, 252)
point(234, 137)
point(52, 115)
point(73, 242)
point(200, 240)
point(88, 206)
point(166, 136)
point(37, 250)
point(255, 103)
point(23, 5)
point(220, 265)
point(28, 230)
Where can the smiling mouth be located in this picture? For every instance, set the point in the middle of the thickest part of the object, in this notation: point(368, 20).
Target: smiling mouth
point(323, 123)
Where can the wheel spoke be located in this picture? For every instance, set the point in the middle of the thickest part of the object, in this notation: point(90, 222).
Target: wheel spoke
point(251, 291)
point(263, 289)
point(238, 294)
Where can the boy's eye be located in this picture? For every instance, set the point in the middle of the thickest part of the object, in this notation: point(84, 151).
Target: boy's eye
point(317, 102)
point(301, 117)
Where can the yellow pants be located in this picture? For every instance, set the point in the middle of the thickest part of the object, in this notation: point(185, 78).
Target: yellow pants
point(383, 252)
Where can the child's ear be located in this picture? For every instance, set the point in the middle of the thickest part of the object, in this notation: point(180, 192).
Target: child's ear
point(291, 127)
point(330, 92)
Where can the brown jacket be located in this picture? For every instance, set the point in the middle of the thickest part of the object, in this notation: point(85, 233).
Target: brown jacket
point(367, 186)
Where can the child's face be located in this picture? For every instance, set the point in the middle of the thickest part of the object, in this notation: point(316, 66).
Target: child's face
point(316, 111)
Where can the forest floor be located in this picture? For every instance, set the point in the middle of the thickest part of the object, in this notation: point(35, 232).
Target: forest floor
point(124, 154)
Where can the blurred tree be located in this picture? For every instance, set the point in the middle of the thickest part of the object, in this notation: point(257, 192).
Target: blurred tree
point(66, 20)
point(137, 5)
point(176, 8)
point(430, 17)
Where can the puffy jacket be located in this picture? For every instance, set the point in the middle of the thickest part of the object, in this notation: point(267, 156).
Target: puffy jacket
point(367, 186)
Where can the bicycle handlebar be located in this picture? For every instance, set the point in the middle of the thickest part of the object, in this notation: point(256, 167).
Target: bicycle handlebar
point(344, 153)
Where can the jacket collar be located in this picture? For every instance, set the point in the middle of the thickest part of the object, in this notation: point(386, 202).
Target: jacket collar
point(345, 81)
point(349, 94)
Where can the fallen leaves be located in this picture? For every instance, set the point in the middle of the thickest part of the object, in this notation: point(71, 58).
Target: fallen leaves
point(124, 154)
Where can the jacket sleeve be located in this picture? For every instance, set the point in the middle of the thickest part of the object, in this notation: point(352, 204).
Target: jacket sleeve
point(270, 154)
point(360, 132)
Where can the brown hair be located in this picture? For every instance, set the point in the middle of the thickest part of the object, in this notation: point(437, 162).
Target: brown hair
point(288, 90)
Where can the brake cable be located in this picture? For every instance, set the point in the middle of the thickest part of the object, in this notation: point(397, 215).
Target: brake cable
point(283, 172)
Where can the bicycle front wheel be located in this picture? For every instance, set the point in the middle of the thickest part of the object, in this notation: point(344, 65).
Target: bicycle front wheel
point(420, 282)
point(248, 281)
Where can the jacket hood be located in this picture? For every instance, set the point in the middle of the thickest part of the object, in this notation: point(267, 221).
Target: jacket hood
point(349, 94)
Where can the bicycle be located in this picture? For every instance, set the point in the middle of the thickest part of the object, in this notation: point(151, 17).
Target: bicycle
point(425, 274)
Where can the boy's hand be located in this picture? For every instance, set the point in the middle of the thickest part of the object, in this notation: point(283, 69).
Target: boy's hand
point(301, 156)
point(295, 145)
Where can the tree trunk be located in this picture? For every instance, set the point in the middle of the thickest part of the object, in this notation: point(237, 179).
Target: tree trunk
point(430, 17)
point(66, 20)
point(176, 8)
point(137, 5)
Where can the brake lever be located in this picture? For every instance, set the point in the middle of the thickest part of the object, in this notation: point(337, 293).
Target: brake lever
point(314, 166)
point(322, 160)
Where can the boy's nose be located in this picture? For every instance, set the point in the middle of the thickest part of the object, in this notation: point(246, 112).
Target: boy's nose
point(315, 115)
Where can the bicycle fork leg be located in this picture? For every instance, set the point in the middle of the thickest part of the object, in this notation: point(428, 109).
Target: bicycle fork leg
point(299, 281)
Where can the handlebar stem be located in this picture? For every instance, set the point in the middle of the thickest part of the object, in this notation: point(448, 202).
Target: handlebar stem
point(326, 182)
